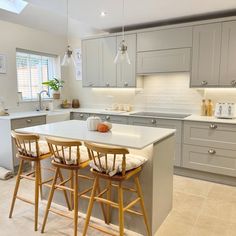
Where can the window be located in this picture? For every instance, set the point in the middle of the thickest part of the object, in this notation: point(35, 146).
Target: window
point(15, 6)
point(32, 70)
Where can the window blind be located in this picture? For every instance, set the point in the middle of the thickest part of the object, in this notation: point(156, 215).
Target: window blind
point(32, 70)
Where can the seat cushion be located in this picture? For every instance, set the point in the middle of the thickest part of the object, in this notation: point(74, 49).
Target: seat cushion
point(132, 161)
point(73, 161)
point(31, 149)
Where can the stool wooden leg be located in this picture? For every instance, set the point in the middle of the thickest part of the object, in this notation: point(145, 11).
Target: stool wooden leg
point(64, 191)
point(76, 188)
point(90, 206)
point(50, 199)
point(40, 182)
point(16, 187)
point(108, 198)
point(121, 209)
point(36, 195)
point(102, 205)
point(140, 194)
point(72, 187)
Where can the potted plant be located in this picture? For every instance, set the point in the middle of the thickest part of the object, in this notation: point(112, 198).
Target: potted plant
point(55, 84)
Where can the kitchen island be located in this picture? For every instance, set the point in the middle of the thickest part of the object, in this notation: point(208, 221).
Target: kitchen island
point(156, 178)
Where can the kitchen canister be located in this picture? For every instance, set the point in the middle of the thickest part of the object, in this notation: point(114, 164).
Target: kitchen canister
point(75, 103)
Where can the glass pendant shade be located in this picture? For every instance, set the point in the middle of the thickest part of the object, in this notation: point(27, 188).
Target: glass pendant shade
point(68, 57)
point(122, 54)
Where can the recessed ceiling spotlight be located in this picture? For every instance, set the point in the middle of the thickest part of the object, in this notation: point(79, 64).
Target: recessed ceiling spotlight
point(103, 14)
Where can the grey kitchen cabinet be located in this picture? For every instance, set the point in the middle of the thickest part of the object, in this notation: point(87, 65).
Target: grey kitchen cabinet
point(228, 55)
point(164, 39)
point(126, 73)
point(210, 147)
point(79, 116)
point(206, 53)
point(98, 67)
point(91, 54)
point(117, 119)
point(172, 60)
point(208, 134)
point(163, 123)
point(8, 151)
point(213, 160)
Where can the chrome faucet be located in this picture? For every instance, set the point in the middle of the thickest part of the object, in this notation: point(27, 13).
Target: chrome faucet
point(40, 99)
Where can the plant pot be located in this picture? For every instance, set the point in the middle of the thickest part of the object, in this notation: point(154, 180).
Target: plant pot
point(56, 95)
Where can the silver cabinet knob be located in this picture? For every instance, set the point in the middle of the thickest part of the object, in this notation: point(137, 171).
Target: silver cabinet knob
point(29, 121)
point(154, 121)
point(126, 84)
point(212, 151)
point(203, 83)
point(108, 117)
point(107, 84)
point(233, 83)
point(81, 115)
point(213, 126)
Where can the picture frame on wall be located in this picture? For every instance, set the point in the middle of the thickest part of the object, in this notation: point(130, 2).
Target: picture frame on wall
point(78, 62)
point(3, 64)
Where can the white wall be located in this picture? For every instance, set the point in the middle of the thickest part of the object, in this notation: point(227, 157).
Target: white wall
point(16, 36)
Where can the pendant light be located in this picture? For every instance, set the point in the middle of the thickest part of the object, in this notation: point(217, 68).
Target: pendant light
point(122, 53)
point(68, 57)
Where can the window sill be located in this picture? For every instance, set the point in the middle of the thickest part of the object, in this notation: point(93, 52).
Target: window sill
point(36, 100)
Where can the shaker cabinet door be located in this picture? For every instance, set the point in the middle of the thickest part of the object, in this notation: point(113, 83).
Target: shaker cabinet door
point(206, 55)
point(91, 65)
point(108, 67)
point(228, 55)
point(126, 73)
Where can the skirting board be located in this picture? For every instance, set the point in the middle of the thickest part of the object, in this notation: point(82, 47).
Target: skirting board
point(222, 179)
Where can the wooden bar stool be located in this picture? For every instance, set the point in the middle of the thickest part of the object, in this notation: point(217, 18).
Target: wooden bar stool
point(30, 148)
point(71, 156)
point(115, 164)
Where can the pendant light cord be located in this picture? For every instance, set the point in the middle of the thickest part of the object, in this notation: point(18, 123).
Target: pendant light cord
point(67, 21)
point(123, 15)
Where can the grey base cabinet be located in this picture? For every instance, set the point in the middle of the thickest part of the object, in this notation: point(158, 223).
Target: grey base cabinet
point(210, 147)
point(8, 158)
point(163, 123)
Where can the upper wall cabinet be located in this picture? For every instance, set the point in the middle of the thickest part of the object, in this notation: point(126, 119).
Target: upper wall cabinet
point(164, 39)
point(98, 67)
point(91, 52)
point(228, 55)
point(173, 60)
point(206, 55)
point(126, 74)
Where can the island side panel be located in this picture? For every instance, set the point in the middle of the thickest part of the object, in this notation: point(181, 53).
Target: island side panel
point(163, 168)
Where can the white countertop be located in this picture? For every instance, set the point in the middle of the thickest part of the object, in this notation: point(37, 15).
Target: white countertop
point(210, 119)
point(17, 115)
point(137, 137)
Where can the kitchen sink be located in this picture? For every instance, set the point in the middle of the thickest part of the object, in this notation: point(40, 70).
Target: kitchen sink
point(162, 115)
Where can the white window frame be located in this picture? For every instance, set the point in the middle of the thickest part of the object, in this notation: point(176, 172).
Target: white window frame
point(54, 72)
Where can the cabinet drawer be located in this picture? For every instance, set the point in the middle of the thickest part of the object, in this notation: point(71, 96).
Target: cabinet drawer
point(214, 160)
point(210, 134)
point(114, 119)
point(164, 39)
point(79, 116)
point(160, 123)
point(174, 60)
point(27, 122)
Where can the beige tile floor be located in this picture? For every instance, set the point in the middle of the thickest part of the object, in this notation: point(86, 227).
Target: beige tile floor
point(200, 208)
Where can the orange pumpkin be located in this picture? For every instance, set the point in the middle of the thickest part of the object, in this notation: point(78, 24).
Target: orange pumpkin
point(102, 128)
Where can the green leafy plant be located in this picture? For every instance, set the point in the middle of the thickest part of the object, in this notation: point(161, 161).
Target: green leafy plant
point(54, 84)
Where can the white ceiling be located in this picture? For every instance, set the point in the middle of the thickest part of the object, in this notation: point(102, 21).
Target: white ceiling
point(50, 15)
